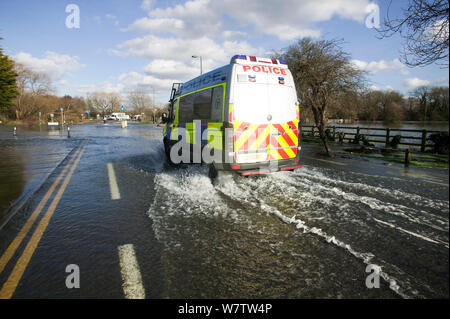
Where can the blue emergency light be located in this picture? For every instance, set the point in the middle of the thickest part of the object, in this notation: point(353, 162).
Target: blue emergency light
point(241, 57)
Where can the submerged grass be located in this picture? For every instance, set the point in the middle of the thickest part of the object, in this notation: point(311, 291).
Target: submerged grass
point(422, 160)
point(417, 159)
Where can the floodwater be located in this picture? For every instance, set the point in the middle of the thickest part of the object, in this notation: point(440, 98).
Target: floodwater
point(310, 233)
point(27, 159)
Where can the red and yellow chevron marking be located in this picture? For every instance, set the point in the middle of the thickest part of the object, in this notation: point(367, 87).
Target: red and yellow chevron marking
point(279, 140)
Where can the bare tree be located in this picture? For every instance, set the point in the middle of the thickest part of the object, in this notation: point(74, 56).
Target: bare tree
point(139, 101)
point(432, 103)
point(30, 85)
point(322, 71)
point(425, 30)
point(104, 102)
point(114, 101)
point(421, 94)
point(98, 101)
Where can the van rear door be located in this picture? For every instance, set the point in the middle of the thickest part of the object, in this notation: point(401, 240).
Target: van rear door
point(264, 113)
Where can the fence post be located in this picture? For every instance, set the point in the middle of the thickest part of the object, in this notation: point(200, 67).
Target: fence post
point(424, 140)
point(407, 156)
point(334, 132)
point(357, 130)
point(388, 133)
point(312, 131)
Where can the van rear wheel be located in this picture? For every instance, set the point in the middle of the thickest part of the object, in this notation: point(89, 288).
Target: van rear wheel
point(167, 148)
point(212, 172)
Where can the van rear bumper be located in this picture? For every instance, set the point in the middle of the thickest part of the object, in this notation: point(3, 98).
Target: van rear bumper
point(260, 167)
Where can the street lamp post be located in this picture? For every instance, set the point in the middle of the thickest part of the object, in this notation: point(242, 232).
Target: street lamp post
point(201, 68)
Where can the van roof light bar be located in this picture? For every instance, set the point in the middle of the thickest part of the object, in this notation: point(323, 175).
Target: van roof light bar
point(238, 56)
point(253, 58)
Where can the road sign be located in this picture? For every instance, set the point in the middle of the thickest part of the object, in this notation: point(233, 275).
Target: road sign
point(52, 115)
point(88, 112)
point(122, 108)
point(62, 109)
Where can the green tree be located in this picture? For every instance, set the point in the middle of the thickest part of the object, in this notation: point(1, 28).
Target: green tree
point(8, 86)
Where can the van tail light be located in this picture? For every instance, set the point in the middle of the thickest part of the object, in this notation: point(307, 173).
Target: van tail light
point(252, 58)
point(229, 141)
point(274, 61)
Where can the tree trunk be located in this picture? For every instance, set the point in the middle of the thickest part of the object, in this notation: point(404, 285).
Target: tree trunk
point(321, 123)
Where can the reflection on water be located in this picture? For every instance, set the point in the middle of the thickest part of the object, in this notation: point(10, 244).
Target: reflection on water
point(12, 179)
point(27, 159)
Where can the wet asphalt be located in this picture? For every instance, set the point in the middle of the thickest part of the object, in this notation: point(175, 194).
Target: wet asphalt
point(304, 234)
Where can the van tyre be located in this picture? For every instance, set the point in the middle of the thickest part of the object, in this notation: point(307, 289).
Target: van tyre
point(212, 172)
point(167, 148)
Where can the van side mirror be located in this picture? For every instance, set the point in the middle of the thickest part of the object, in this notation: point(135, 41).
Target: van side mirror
point(164, 118)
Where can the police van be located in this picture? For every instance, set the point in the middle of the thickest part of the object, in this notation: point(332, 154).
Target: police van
point(241, 117)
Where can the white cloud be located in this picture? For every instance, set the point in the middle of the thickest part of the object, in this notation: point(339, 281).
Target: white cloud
point(382, 65)
point(125, 83)
point(138, 81)
point(188, 20)
point(181, 50)
point(287, 19)
point(106, 86)
point(438, 31)
point(217, 30)
point(53, 64)
point(374, 87)
point(290, 19)
point(413, 83)
point(233, 35)
point(171, 69)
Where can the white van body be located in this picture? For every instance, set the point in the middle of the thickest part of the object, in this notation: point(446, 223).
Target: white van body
point(259, 102)
point(120, 116)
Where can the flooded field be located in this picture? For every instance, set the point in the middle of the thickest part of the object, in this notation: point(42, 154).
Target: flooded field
point(310, 233)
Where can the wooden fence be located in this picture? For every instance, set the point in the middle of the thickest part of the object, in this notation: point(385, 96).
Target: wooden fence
point(415, 138)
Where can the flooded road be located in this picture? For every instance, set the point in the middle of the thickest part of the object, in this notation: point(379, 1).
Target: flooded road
point(304, 234)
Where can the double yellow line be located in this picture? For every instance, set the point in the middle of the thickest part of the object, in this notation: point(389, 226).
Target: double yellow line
point(13, 280)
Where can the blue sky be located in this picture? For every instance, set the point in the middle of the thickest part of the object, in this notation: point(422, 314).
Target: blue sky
point(146, 44)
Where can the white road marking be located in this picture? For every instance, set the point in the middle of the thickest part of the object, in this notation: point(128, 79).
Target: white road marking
point(131, 275)
point(115, 194)
point(411, 233)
